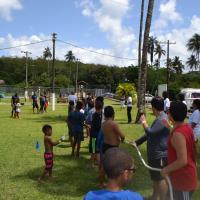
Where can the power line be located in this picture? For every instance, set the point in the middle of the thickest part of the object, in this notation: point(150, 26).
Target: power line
point(103, 54)
point(23, 45)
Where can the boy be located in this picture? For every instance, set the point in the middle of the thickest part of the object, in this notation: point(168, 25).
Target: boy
point(48, 154)
point(76, 119)
point(119, 168)
point(111, 130)
point(181, 166)
point(95, 128)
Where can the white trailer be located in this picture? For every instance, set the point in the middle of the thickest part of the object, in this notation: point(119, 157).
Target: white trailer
point(190, 94)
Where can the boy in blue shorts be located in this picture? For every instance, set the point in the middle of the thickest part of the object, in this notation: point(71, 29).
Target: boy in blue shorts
point(119, 168)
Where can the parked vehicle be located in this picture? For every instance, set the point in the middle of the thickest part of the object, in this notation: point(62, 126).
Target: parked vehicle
point(148, 98)
point(2, 95)
point(190, 94)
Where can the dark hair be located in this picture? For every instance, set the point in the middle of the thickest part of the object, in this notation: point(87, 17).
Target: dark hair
point(115, 161)
point(100, 98)
point(109, 111)
point(178, 111)
point(46, 128)
point(98, 105)
point(90, 104)
point(79, 105)
point(157, 103)
point(165, 94)
point(197, 103)
point(181, 97)
point(71, 103)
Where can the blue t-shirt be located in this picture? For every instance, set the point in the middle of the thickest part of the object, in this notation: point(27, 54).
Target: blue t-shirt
point(109, 195)
point(76, 120)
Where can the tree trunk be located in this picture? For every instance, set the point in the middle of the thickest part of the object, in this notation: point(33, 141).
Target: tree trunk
point(143, 75)
point(139, 58)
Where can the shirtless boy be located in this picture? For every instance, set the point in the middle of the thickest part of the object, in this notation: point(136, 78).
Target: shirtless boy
point(112, 133)
point(48, 154)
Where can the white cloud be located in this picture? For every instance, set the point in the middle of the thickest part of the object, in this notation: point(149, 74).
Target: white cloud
point(6, 6)
point(181, 36)
point(109, 16)
point(168, 14)
point(61, 50)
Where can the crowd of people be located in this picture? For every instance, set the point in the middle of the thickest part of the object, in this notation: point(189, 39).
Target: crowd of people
point(171, 145)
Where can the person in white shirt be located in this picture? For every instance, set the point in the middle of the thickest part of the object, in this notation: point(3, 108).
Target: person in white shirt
point(129, 108)
point(72, 97)
point(194, 119)
point(166, 101)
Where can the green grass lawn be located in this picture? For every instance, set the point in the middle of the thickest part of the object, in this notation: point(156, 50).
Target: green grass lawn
point(21, 164)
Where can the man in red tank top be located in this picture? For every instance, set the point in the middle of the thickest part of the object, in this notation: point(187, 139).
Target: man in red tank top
point(181, 154)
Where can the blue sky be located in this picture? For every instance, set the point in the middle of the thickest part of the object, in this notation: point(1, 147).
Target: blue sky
point(105, 26)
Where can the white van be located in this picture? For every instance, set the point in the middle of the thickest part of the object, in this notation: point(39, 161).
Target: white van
point(190, 94)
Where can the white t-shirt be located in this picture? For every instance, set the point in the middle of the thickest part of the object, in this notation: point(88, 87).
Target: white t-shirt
point(72, 97)
point(129, 102)
point(195, 118)
point(166, 104)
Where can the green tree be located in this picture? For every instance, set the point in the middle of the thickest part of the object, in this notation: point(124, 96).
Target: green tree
point(47, 55)
point(126, 89)
point(177, 65)
point(70, 58)
point(193, 45)
point(159, 51)
point(143, 70)
point(152, 41)
point(192, 62)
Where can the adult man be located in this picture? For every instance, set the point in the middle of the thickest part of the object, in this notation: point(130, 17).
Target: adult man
point(166, 101)
point(129, 108)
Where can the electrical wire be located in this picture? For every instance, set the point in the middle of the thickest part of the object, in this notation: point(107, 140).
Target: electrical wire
point(92, 51)
point(23, 45)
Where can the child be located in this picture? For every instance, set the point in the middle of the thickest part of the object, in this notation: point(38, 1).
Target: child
point(111, 130)
point(70, 109)
point(95, 128)
point(119, 168)
point(17, 110)
point(76, 119)
point(48, 154)
point(181, 166)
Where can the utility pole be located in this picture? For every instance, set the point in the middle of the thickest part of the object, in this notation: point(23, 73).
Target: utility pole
point(26, 87)
point(53, 68)
point(168, 43)
point(77, 75)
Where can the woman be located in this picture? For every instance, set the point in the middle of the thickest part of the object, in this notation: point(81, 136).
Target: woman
point(156, 137)
point(194, 119)
point(181, 154)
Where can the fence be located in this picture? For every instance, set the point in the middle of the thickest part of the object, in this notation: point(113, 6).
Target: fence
point(9, 90)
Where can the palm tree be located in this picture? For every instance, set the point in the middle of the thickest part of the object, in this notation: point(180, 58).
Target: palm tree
point(192, 62)
point(152, 41)
point(47, 55)
point(143, 71)
point(69, 57)
point(194, 46)
point(139, 55)
point(177, 65)
point(159, 51)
